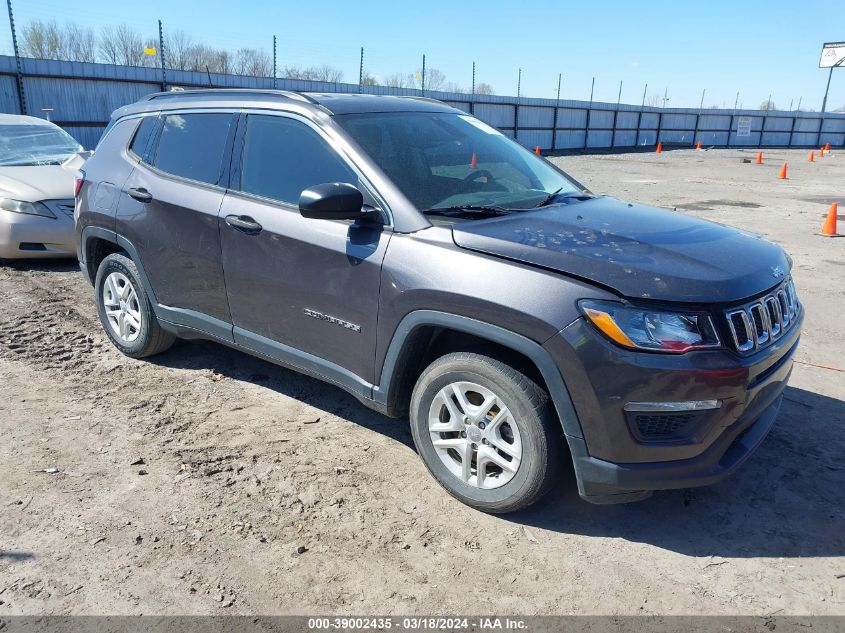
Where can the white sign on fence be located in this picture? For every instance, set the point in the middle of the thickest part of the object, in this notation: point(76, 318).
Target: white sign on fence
point(743, 126)
point(833, 54)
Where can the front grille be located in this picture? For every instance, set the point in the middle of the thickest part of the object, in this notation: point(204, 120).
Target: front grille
point(761, 322)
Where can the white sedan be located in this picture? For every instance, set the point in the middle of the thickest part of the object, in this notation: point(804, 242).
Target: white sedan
point(38, 162)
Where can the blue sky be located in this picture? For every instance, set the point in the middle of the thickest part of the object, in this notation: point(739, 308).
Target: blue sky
point(754, 48)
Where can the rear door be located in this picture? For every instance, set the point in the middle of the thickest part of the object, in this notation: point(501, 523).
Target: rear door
point(170, 214)
point(299, 286)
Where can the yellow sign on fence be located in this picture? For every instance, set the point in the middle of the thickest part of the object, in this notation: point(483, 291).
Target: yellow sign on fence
point(149, 50)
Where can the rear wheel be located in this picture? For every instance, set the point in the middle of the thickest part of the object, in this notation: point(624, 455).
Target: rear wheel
point(125, 311)
point(485, 431)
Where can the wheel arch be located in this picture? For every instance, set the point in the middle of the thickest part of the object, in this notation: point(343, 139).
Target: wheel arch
point(424, 335)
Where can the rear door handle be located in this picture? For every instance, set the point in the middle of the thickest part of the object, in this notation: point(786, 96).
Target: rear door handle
point(140, 194)
point(244, 223)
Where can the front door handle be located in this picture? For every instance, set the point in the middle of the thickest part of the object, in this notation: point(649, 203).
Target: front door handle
point(244, 223)
point(140, 194)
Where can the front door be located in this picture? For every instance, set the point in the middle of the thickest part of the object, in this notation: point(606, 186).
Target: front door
point(299, 288)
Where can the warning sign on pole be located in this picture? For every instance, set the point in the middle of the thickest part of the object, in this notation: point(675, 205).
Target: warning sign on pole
point(833, 54)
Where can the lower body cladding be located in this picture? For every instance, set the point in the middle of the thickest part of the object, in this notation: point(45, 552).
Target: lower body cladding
point(662, 421)
point(25, 236)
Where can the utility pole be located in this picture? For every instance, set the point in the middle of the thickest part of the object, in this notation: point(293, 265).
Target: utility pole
point(619, 98)
point(473, 78)
point(19, 76)
point(645, 90)
point(592, 90)
point(361, 72)
point(275, 85)
point(736, 102)
point(701, 105)
point(519, 84)
point(161, 54)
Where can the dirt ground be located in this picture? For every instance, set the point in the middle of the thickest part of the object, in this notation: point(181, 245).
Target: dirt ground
point(205, 481)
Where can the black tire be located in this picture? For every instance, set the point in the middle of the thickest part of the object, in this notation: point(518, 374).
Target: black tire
point(531, 410)
point(151, 339)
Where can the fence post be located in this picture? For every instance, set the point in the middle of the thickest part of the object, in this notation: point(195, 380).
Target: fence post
point(589, 112)
point(361, 72)
point(19, 73)
point(161, 53)
point(516, 107)
point(554, 118)
point(791, 130)
point(275, 84)
point(472, 94)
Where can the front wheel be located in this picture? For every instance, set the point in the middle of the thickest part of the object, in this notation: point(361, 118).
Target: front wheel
point(486, 432)
point(125, 311)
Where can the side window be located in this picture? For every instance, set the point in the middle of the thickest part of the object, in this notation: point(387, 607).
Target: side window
point(192, 145)
point(281, 157)
point(142, 136)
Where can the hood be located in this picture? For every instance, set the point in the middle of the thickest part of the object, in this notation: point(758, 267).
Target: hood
point(40, 182)
point(636, 250)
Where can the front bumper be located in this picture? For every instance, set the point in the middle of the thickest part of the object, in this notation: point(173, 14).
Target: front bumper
point(612, 464)
point(32, 236)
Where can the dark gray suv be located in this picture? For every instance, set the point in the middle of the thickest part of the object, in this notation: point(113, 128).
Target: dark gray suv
point(414, 256)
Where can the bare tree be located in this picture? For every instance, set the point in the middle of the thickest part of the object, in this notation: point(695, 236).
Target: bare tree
point(80, 43)
point(484, 89)
point(180, 51)
point(399, 80)
point(434, 79)
point(123, 45)
point(41, 40)
point(655, 101)
point(368, 79)
point(313, 73)
point(48, 40)
point(252, 62)
point(768, 104)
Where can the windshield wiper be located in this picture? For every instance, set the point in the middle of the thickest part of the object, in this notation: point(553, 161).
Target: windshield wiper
point(556, 194)
point(481, 209)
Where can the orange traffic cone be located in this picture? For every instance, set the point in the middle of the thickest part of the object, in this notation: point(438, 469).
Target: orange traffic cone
point(811, 158)
point(659, 148)
point(821, 152)
point(473, 162)
point(829, 226)
point(759, 160)
point(827, 147)
point(537, 150)
point(782, 174)
point(698, 145)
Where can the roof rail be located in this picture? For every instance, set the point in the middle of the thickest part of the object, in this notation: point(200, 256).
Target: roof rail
point(289, 94)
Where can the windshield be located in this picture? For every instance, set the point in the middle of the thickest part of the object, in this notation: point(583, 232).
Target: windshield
point(27, 144)
point(442, 160)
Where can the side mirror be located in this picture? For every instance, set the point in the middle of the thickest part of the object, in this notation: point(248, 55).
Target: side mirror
point(334, 201)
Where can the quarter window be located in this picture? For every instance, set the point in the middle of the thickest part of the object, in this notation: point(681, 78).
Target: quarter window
point(142, 136)
point(282, 156)
point(192, 145)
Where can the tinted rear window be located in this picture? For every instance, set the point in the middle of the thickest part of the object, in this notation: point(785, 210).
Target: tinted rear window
point(142, 136)
point(281, 157)
point(192, 146)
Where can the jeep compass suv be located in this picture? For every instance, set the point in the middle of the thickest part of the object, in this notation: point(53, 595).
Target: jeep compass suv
point(414, 256)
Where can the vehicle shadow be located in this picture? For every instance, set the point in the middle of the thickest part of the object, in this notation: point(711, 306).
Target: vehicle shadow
point(41, 265)
point(786, 500)
point(321, 395)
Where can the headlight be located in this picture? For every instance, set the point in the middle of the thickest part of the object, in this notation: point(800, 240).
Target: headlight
point(27, 208)
point(653, 330)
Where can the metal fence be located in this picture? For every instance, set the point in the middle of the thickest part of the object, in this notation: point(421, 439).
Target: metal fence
point(80, 97)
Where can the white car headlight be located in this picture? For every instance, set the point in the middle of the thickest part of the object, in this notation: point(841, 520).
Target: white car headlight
point(27, 208)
